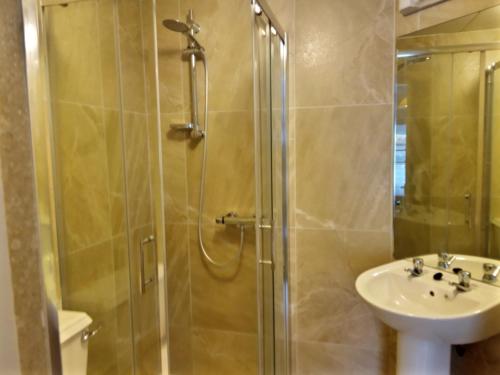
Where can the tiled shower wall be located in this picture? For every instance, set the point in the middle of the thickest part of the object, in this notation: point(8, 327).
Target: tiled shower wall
point(212, 311)
point(341, 110)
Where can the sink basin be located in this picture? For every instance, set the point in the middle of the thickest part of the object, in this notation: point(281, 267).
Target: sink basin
point(429, 315)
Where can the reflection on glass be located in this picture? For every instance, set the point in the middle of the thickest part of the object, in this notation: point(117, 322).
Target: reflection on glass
point(446, 178)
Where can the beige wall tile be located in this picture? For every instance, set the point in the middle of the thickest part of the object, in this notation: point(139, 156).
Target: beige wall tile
point(73, 51)
point(109, 79)
point(88, 280)
point(284, 11)
point(83, 174)
point(418, 185)
point(148, 354)
point(327, 306)
point(135, 127)
point(131, 56)
point(223, 298)
point(366, 250)
point(178, 275)
point(175, 170)
point(219, 352)
point(412, 238)
point(116, 176)
point(226, 36)
point(230, 167)
point(343, 52)
point(170, 46)
point(428, 86)
point(179, 299)
point(324, 359)
point(181, 353)
point(121, 268)
point(89, 285)
point(465, 94)
point(342, 152)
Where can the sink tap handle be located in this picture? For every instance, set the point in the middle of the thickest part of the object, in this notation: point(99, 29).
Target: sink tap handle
point(418, 265)
point(443, 255)
point(445, 259)
point(463, 284)
point(464, 279)
point(491, 272)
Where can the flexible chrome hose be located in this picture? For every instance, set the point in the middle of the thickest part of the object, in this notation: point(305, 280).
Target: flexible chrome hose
point(237, 256)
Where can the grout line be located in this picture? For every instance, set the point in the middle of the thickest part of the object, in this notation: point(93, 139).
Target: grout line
point(100, 107)
point(343, 229)
point(109, 239)
point(342, 105)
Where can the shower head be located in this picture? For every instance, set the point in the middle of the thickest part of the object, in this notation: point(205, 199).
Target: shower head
point(188, 29)
point(176, 25)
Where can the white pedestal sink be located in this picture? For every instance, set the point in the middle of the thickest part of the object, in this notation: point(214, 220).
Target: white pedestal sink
point(428, 314)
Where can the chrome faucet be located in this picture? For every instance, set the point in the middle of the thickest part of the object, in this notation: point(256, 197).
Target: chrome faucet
point(491, 272)
point(463, 284)
point(418, 268)
point(445, 260)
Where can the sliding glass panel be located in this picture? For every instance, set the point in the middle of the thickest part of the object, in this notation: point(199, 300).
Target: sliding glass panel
point(90, 179)
point(103, 130)
point(136, 115)
point(262, 40)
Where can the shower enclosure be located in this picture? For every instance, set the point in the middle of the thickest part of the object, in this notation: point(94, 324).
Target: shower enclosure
point(136, 194)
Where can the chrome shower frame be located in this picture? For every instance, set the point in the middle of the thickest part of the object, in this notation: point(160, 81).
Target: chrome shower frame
point(259, 7)
point(488, 127)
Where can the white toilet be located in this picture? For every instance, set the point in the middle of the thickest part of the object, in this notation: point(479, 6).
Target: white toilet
point(74, 351)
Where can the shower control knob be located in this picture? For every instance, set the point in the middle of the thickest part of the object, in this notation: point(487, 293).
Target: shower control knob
point(222, 219)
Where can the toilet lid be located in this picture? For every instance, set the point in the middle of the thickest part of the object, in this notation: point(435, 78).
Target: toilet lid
point(71, 323)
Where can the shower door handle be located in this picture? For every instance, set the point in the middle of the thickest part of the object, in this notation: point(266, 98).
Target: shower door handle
point(145, 282)
point(267, 225)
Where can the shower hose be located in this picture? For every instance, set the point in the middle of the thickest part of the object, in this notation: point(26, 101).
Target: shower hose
point(237, 256)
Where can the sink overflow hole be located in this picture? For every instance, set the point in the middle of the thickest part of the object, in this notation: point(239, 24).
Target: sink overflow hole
point(431, 293)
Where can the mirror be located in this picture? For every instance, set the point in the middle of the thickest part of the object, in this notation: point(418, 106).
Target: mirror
point(446, 190)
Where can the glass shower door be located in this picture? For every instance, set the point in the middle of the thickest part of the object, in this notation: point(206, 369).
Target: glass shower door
point(98, 131)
